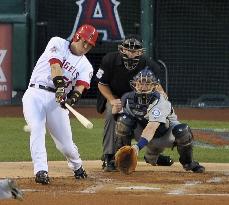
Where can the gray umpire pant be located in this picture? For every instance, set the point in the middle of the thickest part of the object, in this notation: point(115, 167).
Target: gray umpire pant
point(109, 131)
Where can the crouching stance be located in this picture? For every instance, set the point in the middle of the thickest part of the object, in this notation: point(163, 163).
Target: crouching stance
point(150, 118)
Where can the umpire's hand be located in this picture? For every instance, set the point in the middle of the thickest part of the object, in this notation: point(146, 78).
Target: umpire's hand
point(116, 106)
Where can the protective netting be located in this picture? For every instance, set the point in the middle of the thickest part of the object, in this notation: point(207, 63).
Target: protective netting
point(192, 39)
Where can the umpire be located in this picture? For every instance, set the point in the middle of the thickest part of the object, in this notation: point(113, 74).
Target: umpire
point(117, 69)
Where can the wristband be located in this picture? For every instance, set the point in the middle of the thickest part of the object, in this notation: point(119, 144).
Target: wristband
point(142, 142)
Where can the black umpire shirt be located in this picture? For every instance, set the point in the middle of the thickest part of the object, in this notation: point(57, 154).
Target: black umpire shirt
point(116, 76)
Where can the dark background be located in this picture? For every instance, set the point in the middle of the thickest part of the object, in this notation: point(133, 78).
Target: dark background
point(191, 37)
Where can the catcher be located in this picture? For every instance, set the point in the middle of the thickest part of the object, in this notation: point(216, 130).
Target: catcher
point(149, 117)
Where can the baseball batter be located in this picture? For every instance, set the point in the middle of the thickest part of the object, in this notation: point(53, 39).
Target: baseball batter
point(155, 124)
point(60, 76)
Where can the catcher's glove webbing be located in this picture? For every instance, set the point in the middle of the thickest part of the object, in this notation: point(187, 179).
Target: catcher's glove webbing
point(126, 159)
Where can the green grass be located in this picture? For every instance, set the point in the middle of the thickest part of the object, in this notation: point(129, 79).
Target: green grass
point(14, 142)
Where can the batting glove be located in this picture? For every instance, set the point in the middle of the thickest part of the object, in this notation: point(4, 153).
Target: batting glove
point(58, 81)
point(60, 95)
point(73, 98)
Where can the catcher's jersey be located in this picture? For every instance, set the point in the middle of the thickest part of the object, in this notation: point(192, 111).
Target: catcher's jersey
point(76, 69)
point(159, 110)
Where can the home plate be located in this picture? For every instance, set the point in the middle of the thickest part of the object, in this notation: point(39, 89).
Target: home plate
point(137, 188)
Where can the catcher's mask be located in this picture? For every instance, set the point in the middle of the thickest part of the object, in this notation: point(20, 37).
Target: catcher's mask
point(131, 50)
point(88, 33)
point(144, 85)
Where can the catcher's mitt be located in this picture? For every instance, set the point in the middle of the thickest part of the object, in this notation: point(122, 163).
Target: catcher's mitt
point(126, 159)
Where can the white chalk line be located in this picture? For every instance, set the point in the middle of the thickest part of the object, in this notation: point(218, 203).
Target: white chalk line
point(39, 190)
point(183, 188)
point(181, 191)
point(138, 188)
point(203, 194)
point(215, 180)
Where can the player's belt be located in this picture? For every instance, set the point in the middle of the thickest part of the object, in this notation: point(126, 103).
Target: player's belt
point(44, 88)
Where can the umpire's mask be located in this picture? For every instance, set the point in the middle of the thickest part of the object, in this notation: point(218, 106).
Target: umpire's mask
point(131, 50)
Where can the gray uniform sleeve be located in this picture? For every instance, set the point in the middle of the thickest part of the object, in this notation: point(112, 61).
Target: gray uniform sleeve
point(159, 111)
point(173, 119)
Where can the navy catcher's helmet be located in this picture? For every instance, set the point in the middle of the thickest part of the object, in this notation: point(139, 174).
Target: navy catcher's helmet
point(144, 85)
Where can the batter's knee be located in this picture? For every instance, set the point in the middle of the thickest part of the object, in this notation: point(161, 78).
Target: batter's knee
point(183, 135)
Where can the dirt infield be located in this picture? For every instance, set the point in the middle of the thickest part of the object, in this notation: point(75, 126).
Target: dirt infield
point(183, 113)
point(148, 185)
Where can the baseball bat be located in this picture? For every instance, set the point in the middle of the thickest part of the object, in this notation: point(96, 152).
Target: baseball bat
point(83, 120)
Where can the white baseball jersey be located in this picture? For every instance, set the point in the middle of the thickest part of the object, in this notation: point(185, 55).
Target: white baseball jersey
point(41, 110)
point(76, 69)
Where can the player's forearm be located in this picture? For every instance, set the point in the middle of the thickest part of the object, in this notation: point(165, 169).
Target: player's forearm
point(79, 88)
point(150, 130)
point(56, 70)
point(147, 134)
point(106, 92)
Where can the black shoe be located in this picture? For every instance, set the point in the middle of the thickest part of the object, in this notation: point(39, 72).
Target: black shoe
point(109, 166)
point(109, 163)
point(42, 177)
point(80, 173)
point(195, 167)
point(162, 161)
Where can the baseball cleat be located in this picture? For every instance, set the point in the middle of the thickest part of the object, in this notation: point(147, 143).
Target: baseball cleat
point(109, 166)
point(80, 173)
point(194, 167)
point(161, 161)
point(164, 160)
point(42, 177)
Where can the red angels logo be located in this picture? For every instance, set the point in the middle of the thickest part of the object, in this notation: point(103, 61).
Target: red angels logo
point(103, 15)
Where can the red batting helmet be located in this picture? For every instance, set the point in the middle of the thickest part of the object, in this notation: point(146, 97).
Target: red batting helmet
point(88, 33)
